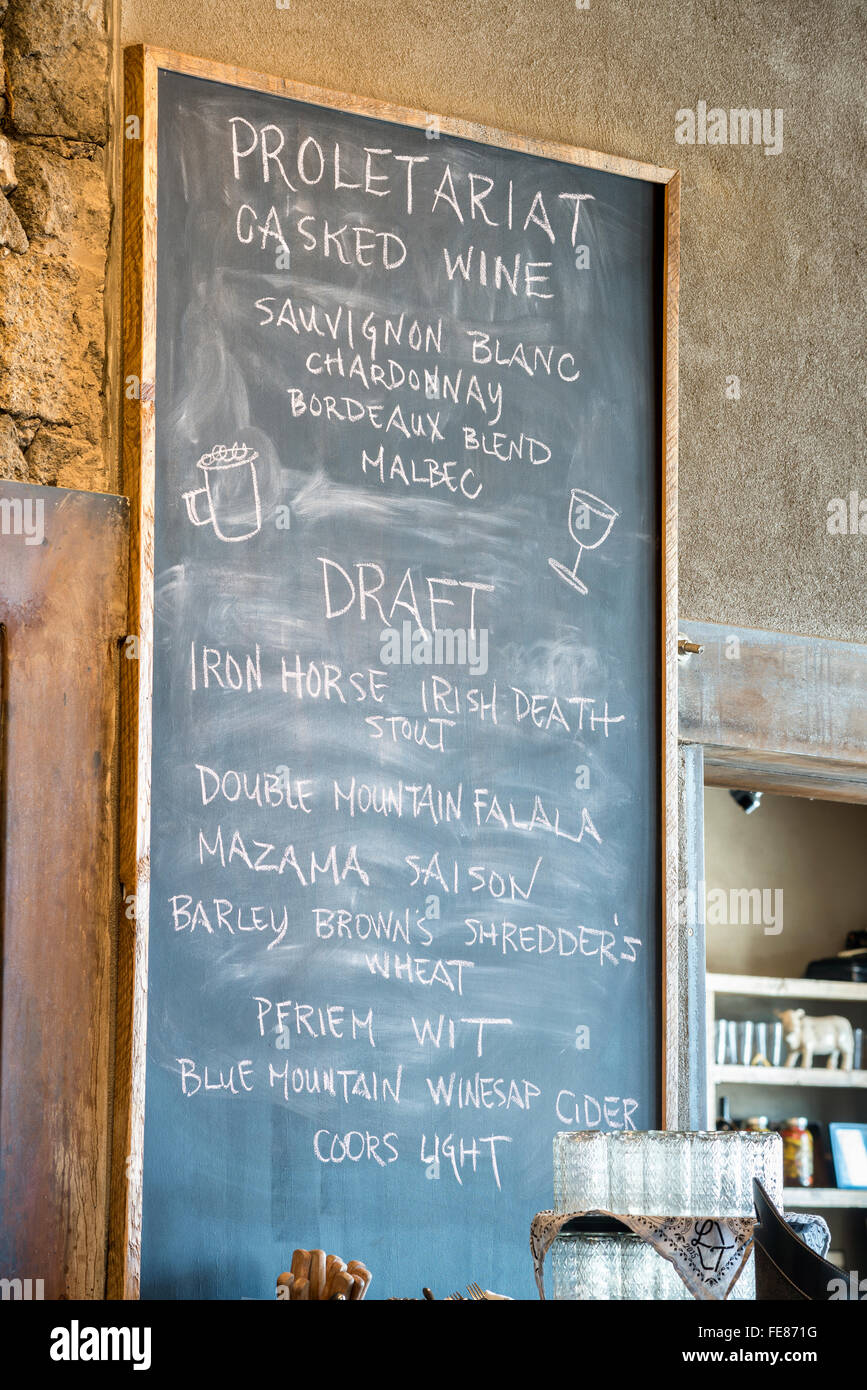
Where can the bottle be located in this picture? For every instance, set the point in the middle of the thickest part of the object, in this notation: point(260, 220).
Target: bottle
point(724, 1119)
point(797, 1153)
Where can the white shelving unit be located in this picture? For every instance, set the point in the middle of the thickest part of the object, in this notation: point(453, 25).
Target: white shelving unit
point(770, 987)
point(790, 1076)
point(819, 1198)
point(777, 990)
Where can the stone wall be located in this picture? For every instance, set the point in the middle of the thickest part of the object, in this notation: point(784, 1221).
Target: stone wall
point(55, 223)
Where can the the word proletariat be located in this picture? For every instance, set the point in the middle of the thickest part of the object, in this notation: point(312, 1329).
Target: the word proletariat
point(474, 206)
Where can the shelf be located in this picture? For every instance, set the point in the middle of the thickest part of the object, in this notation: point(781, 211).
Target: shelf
point(817, 1198)
point(790, 1076)
point(769, 987)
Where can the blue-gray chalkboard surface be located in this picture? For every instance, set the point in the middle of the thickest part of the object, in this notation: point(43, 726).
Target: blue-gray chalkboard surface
point(405, 831)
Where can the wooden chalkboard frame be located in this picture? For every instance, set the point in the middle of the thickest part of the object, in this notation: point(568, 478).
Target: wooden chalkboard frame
point(142, 66)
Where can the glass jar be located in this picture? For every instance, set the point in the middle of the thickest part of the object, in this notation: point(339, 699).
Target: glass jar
point(797, 1153)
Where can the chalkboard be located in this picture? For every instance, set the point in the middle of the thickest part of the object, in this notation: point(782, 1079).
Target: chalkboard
point(403, 662)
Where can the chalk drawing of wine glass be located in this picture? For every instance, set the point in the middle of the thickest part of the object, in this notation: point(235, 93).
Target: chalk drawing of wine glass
point(590, 520)
point(232, 492)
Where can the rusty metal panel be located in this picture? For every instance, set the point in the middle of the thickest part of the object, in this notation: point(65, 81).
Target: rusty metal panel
point(63, 573)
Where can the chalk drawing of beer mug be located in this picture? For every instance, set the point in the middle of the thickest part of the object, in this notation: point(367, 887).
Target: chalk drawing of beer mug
point(232, 492)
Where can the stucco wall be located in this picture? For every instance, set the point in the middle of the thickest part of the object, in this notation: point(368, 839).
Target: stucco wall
point(770, 288)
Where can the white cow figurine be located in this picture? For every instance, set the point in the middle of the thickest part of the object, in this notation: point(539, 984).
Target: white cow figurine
point(806, 1035)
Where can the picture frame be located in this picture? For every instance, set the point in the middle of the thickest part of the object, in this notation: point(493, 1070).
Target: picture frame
point(849, 1152)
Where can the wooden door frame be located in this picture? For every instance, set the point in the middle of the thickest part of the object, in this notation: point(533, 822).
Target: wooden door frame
point(770, 712)
point(776, 712)
point(62, 621)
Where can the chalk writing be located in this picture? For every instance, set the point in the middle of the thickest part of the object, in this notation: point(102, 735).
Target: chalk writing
point(404, 901)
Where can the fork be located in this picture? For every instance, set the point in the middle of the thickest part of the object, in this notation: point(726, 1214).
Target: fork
point(476, 1293)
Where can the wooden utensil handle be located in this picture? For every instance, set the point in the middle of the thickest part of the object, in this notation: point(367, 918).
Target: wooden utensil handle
point(317, 1274)
point(334, 1268)
point(343, 1283)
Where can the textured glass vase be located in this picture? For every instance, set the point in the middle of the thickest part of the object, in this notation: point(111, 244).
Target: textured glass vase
point(666, 1172)
point(619, 1267)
